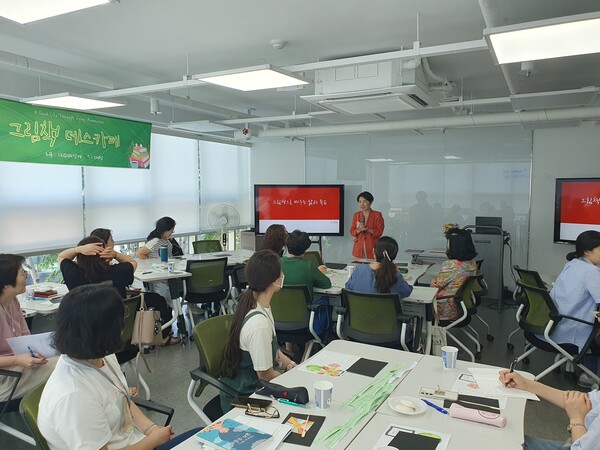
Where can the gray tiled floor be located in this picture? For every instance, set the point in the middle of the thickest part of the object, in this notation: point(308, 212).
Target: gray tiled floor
point(170, 378)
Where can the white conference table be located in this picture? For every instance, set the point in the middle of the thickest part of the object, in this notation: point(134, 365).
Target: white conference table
point(149, 270)
point(44, 307)
point(427, 373)
point(344, 388)
point(419, 302)
point(430, 373)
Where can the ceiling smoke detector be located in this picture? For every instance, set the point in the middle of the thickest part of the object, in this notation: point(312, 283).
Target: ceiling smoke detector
point(278, 44)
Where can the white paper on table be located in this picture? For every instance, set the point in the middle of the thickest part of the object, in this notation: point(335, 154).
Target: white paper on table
point(491, 386)
point(39, 343)
point(329, 363)
point(394, 429)
point(279, 431)
point(465, 384)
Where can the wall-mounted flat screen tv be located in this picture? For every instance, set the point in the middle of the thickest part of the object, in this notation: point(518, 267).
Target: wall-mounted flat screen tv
point(317, 209)
point(577, 208)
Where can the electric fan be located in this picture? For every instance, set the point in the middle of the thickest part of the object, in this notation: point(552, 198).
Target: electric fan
point(223, 217)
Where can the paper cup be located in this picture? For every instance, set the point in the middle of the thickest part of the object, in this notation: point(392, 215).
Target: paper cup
point(171, 267)
point(349, 269)
point(323, 392)
point(449, 356)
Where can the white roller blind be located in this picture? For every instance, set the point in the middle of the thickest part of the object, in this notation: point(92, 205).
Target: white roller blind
point(40, 207)
point(175, 183)
point(130, 201)
point(225, 179)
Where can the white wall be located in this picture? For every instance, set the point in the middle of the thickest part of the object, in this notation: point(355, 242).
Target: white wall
point(277, 161)
point(557, 153)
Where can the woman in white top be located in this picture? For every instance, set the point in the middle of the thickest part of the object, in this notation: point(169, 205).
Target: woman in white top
point(85, 403)
point(251, 351)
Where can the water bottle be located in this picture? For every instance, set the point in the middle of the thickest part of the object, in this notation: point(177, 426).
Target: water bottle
point(164, 253)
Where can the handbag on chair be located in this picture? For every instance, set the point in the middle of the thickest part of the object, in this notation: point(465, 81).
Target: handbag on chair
point(147, 326)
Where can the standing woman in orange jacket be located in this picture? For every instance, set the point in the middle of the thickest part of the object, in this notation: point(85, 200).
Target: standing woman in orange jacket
point(366, 228)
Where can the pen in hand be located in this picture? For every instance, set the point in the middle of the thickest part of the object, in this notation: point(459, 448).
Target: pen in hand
point(511, 369)
point(31, 352)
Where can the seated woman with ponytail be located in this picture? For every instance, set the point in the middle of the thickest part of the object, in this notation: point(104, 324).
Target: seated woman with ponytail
point(251, 351)
point(381, 276)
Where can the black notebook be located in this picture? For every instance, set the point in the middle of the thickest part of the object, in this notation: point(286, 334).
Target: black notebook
point(337, 266)
point(413, 441)
point(367, 367)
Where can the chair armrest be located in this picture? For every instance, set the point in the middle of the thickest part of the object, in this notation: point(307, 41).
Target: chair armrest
point(558, 317)
point(17, 376)
point(340, 310)
point(198, 375)
point(157, 407)
point(402, 318)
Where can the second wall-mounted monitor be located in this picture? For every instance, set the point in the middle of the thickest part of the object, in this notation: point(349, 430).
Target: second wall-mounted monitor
point(317, 209)
point(576, 208)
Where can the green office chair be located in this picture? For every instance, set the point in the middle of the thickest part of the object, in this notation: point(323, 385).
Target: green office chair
point(294, 316)
point(530, 278)
point(30, 407)
point(377, 319)
point(480, 289)
point(466, 304)
point(208, 284)
point(210, 337)
point(29, 410)
point(208, 246)
point(540, 317)
point(314, 257)
point(12, 405)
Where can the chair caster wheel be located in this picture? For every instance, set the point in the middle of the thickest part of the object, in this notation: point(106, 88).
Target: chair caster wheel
point(510, 346)
point(525, 360)
point(490, 338)
point(478, 356)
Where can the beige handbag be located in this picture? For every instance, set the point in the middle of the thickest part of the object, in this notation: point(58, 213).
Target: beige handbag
point(147, 326)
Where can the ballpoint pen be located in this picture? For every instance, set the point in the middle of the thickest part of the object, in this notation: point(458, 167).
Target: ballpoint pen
point(304, 426)
point(511, 369)
point(436, 407)
point(31, 352)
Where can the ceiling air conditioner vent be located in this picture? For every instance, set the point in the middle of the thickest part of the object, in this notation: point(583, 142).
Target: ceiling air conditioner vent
point(397, 98)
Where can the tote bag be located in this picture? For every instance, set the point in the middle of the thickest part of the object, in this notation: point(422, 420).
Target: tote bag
point(147, 326)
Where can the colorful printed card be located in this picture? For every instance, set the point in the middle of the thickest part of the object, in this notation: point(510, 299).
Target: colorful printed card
point(304, 428)
point(328, 363)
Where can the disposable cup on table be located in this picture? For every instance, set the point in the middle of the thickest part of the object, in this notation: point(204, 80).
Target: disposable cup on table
point(449, 356)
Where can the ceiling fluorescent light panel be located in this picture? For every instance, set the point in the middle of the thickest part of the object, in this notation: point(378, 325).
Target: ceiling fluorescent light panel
point(545, 39)
point(71, 101)
point(253, 78)
point(26, 11)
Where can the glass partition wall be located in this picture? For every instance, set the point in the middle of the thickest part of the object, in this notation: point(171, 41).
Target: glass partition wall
point(422, 180)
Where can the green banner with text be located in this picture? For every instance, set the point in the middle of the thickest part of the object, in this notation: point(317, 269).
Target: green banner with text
point(36, 134)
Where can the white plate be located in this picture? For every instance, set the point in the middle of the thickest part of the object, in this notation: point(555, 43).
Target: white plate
point(394, 403)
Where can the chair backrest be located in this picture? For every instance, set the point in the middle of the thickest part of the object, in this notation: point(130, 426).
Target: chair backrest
point(530, 277)
point(479, 263)
point(208, 246)
point(29, 410)
point(210, 337)
point(540, 308)
point(131, 304)
point(372, 318)
point(314, 257)
point(289, 306)
point(467, 291)
point(208, 276)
